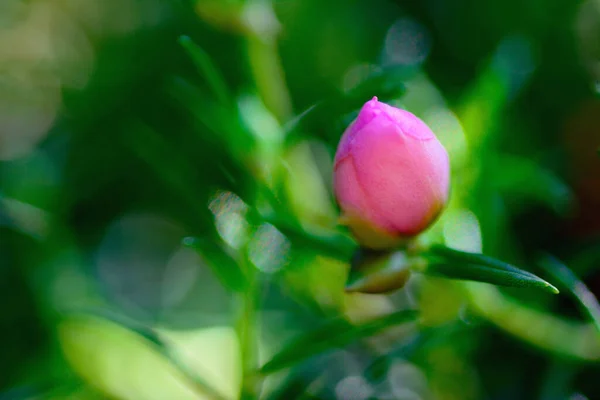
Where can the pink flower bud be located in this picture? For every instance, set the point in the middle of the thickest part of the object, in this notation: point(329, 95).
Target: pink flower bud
point(391, 176)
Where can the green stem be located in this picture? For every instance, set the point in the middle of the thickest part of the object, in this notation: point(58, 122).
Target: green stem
point(268, 74)
point(247, 328)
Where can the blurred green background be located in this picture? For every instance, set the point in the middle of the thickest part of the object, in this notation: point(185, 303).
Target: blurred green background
point(167, 224)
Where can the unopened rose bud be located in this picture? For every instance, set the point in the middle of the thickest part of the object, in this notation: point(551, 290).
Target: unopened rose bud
point(391, 176)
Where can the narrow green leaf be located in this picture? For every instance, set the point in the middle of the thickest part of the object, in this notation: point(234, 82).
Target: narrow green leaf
point(480, 273)
point(219, 126)
point(476, 258)
point(143, 330)
point(175, 172)
point(165, 160)
point(584, 296)
point(334, 334)
point(455, 264)
point(160, 344)
point(331, 244)
point(224, 266)
point(206, 68)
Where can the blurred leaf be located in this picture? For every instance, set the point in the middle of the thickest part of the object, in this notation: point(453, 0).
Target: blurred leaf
point(24, 217)
point(328, 244)
point(561, 336)
point(584, 296)
point(95, 345)
point(222, 264)
point(334, 334)
point(377, 370)
point(219, 125)
point(175, 171)
point(479, 117)
point(206, 68)
point(559, 380)
point(213, 354)
point(586, 258)
point(456, 264)
point(304, 185)
point(299, 388)
point(24, 393)
point(290, 389)
point(65, 391)
point(226, 15)
point(265, 65)
point(385, 84)
point(524, 177)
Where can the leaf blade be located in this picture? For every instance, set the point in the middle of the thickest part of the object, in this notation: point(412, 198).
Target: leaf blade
point(337, 333)
point(206, 67)
point(455, 264)
point(582, 294)
point(151, 338)
point(479, 273)
point(224, 266)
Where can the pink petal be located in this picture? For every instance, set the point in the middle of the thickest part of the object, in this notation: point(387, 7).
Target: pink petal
point(405, 179)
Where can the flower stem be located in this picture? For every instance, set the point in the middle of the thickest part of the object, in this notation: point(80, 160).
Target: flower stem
point(247, 328)
point(269, 77)
point(267, 71)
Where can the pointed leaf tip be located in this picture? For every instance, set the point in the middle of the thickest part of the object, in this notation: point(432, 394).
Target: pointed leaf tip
point(206, 67)
point(455, 264)
point(552, 288)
